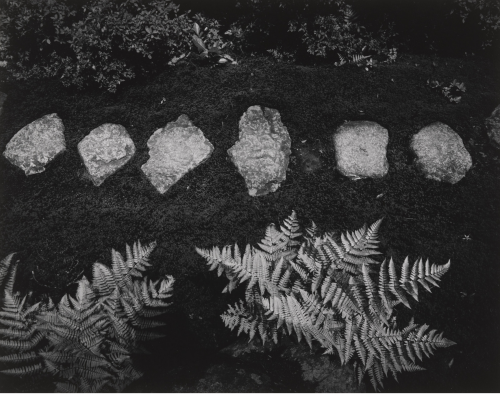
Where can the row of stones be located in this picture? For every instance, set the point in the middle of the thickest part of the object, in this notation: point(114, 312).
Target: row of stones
point(261, 154)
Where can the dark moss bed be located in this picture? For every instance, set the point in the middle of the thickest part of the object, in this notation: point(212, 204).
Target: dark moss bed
point(60, 224)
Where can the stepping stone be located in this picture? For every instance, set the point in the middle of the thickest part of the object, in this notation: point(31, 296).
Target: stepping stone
point(104, 150)
point(493, 127)
point(173, 151)
point(441, 154)
point(361, 149)
point(37, 144)
point(262, 152)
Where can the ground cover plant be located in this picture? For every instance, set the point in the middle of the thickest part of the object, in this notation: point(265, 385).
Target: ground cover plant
point(105, 43)
point(99, 42)
point(60, 224)
point(86, 341)
point(320, 286)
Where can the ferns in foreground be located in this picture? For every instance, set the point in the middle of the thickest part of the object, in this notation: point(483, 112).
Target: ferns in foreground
point(85, 341)
point(329, 289)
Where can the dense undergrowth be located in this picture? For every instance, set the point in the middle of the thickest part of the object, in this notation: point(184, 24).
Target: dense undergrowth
point(105, 43)
point(60, 224)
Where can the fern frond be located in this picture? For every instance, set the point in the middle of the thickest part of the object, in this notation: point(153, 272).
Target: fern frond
point(8, 285)
point(103, 280)
point(325, 290)
point(25, 370)
point(358, 59)
point(88, 335)
point(19, 357)
point(291, 228)
point(21, 345)
point(312, 231)
point(394, 286)
point(6, 272)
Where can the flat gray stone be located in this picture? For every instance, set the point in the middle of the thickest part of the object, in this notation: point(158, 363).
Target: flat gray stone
point(104, 150)
point(441, 154)
point(36, 144)
point(493, 127)
point(262, 152)
point(173, 151)
point(361, 149)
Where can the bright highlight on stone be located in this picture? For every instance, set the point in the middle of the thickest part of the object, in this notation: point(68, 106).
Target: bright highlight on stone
point(173, 151)
point(105, 150)
point(37, 144)
point(262, 152)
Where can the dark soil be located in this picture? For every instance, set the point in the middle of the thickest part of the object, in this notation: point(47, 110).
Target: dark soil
point(59, 223)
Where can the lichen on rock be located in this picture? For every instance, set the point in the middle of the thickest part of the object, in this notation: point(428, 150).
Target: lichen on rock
point(173, 151)
point(104, 150)
point(36, 144)
point(361, 149)
point(440, 153)
point(262, 151)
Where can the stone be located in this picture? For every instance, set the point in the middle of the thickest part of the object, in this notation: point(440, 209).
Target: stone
point(361, 149)
point(37, 144)
point(493, 127)
point(262, 152)
point(441, 154)
point(173, 151)
point(3, 97)
point(104, 150)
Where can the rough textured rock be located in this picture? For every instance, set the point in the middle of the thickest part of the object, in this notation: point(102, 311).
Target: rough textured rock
point(360, 149)
point(441, 154)
point(262, 152)
point(104, 150)
point(246, 367)
point(493, 127)
point(3, 97)
point(36, 144)
point(173, 151)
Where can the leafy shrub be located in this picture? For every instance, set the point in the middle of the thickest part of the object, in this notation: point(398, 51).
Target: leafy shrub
point(449, 27)
point(339, 33)
point(453, 92)
point(298, 29)
point(100, 41)
point(484, 14)
point(85, 341)
point(329, 289)
point(210, 44)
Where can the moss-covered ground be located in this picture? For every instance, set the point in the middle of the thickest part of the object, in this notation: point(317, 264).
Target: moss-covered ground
point(59, 223)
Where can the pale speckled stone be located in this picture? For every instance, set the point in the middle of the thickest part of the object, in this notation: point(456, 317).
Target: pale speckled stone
point(493, 127)
point(104, 150)
point(262, 152)
point(173, 151)
point(36, 144)
point(441, 154)
point(361, 149)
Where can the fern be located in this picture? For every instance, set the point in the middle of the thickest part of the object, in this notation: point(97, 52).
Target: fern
point(86, 340)
point(329, 289)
